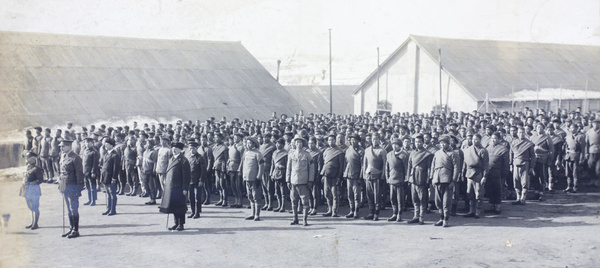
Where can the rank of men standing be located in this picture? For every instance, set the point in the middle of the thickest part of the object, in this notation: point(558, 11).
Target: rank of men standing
point(332, 165)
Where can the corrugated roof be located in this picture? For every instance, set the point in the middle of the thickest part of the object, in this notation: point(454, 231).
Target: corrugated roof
point(48, 79)
point(495, 67)
point(315, 98)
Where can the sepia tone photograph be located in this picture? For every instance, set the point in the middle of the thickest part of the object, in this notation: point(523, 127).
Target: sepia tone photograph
point(288, 133)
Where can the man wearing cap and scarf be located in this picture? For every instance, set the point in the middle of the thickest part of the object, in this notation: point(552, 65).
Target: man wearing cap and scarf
point(499, 155)
point(574, 147)
point(110, 165)
point(332, 172)
point(522, 157)
point(395, 173)
point(177, 183)
point(419, 164)
point(544, 153)
point(91, 170)
point(352, 172)
point(373, 173)
point(252, 173)
point(316, 195)
point(220, 168)
point(556, 163)
point(197, 173)
point(278, 173)
point(300, 177)
point(70, 185)
point(475, 168)
point(445, 173)
point(235, 152)
point(267, 149)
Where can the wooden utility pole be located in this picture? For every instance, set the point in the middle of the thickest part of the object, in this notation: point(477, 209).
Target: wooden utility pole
point(330, 82)
point(377, 79)
point(278, 64)
point(440, 62)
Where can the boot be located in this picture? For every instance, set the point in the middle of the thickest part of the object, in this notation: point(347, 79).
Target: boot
point(180, 225)
point(356, 207)
point(305, 217)
point(75, 232)
point(70, 228)
point(441, 221)
point(257, 212)
point(336, 207)
point(329, 209)
point(370, 216)
point(193, 208)
point(295, 211)
point(413, 220)
point(278, 204)
point(445, 223)
point(36, 217)
point(282, 206)
point(524, 197)
point(198, 210)
point(376, 216)
point(351, 213)
point(251, 217)
point(478, 209)
point(94, 196)
point(471, 213)
point(265, 206)
point(399, 218)
point(176, 224)
point(394, 216)
point(89, 193)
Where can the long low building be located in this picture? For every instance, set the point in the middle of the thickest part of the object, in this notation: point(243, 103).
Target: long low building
point(49, 79)
point(476, 74)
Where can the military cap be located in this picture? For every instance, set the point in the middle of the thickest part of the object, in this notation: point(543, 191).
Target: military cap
point(397, 141)
point(192, 142)
point(177, 145)
point(110, 141)
point(88, 139)
point(65, 143)
point(254, 140)
point(444, 138)
point(31, 154)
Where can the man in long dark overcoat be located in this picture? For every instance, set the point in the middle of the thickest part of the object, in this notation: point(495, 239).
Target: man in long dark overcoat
point(177, 183)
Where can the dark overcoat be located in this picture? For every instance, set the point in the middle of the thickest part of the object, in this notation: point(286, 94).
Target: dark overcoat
point(177, 180)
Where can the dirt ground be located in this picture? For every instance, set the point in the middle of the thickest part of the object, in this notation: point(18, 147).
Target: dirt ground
point(563, 231)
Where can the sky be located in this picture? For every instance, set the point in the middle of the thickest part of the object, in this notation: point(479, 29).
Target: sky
point(297, 31)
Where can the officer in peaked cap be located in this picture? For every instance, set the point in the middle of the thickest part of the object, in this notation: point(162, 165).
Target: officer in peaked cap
point(70, 185)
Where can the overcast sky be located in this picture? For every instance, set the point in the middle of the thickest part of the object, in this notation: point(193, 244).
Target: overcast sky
point(296, 31)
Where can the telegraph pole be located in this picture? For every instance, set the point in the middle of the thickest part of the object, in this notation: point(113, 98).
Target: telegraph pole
point(330, 82)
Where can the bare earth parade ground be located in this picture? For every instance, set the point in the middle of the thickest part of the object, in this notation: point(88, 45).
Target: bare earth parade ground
point(563, 231)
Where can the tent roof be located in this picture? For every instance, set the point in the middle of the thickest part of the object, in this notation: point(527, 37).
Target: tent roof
point(48, 79)
point(496, 67)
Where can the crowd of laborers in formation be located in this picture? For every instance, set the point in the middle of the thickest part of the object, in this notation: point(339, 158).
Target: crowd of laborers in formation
point(404, 159)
